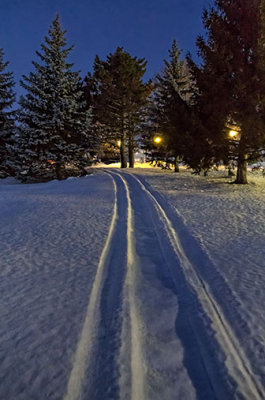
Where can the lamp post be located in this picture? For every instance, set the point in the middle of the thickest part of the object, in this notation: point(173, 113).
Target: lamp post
point(155, 153)
point(234, 135)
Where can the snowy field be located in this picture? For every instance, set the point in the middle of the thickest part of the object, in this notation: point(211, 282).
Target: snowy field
point(228, 224)
point(52, 235)
point(140, 285)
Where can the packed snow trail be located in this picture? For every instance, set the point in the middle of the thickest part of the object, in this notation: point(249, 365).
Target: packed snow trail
point(126, 349)
point(238, 370)
point(137, 362)
point(97, 350)
point(237, 363)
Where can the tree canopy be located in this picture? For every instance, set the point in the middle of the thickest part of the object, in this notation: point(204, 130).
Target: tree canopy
point(170, 108)
point(193, 106)
point(55, 127)
point(7, 116)
point(118, 95)
point(231, 80)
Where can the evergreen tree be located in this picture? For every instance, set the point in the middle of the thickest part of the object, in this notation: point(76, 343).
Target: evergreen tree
point(90, 93)
point(7, 123)
point(118, 95)
point(208, 140)
point(232, 78)
point(170, 103)
point(55, 127)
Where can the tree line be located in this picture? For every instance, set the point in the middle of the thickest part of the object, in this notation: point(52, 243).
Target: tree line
point(207, 113)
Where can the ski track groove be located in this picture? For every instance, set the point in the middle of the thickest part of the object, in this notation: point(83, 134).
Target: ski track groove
point(85, 344)
point(237, 363)
point(137, 362)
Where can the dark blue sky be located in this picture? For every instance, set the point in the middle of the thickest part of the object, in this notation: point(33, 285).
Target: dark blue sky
point(145, 28)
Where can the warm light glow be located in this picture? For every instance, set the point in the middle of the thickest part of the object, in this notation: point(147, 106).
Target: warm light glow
point(51, 162)
point(119, 143)
point(232, 134)
point(157, 139)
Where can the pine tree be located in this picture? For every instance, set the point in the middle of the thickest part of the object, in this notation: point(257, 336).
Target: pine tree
point(232, 78)
point(55, 127)
point(119, 95)
point(211, 108)
point(171, 99)
point(7, 115)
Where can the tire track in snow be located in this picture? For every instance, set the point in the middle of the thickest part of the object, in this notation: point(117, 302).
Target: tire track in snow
point(85, 343)
point(236, 361)
point(137, 368)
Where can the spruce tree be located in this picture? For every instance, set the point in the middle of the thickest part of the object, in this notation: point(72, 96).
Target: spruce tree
point(171, 100)
point(118, 95)
point(7, 115)
point(55, 127)
point(232, 78)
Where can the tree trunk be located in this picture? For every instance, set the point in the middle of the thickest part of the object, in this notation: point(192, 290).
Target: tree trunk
point(131, 158)
point(241, 176)
point(131, 150)
point(230, 171)
point(58, 171)
point(176, 164)
point(131, 143)
point(123, 154)
point(123, 143)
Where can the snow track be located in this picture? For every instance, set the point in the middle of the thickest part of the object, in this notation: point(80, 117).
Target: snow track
point(137, 362)
point(248, 385)
point(112, 305)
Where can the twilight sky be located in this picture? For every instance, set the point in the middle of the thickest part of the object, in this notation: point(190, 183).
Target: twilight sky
point(145, 28)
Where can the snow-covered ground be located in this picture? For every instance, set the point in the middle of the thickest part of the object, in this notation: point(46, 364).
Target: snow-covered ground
point(139, 285)
point(228, 224)
point(52, 236)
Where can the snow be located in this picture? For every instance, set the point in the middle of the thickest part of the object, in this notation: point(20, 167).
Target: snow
point(51, 238)
point(84, 348)
point(228, 223)
point(141, 285)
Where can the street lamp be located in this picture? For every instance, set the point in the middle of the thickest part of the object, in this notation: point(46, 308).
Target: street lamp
point(157, 139)
point(232, 134)
point(233, 131)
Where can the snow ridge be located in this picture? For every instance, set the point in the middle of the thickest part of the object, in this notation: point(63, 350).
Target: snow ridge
point(236, 361)
point(137, 362)
point(85, 343)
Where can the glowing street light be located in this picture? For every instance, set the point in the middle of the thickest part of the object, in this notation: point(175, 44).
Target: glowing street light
point(157, 139)
point(232, 133)
point(119, 143)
